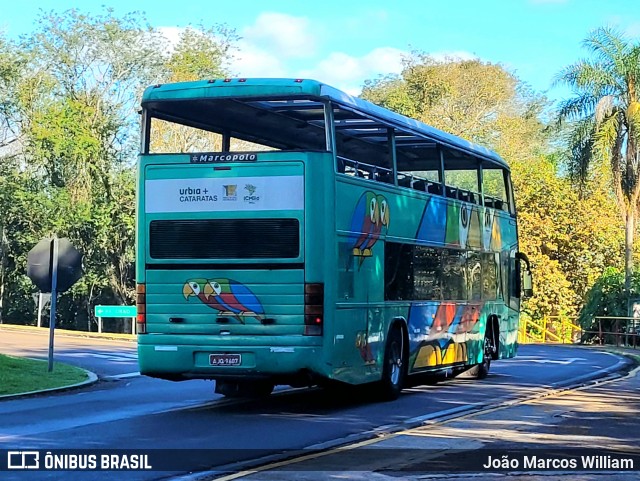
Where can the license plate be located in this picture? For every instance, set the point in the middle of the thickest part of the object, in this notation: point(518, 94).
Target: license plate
point(225, 359)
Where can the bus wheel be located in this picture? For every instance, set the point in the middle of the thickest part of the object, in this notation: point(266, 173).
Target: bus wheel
point(481, 371)
point(394, 367)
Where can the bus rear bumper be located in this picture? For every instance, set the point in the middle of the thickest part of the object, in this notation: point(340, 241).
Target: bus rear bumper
point(182, 362)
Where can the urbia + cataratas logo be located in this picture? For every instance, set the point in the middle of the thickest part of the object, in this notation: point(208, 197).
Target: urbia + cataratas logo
point(196, 194)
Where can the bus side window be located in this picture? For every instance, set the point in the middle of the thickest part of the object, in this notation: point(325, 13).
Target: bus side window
point(412, 273)
point(490, 276)
point(453, 275)
point(474, 276)
point(495, 189)
point(398, 271)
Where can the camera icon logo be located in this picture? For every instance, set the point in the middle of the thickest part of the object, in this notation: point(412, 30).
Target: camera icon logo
point(23, 460)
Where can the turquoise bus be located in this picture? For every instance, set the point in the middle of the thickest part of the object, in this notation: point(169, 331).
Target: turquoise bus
point(289, 233)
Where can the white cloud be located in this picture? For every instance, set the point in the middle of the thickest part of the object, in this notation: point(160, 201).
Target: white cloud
point(172, 34)
point(348, 73)
point(272, 40)
point(632, 30)
point(281, 34)
point(280, 45)
point(252, 61)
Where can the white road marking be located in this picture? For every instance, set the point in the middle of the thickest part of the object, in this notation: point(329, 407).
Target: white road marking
point(116, 357)
point(564, 362)
point(121, 376)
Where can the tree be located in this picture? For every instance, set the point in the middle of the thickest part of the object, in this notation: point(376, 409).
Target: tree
point(199, 54)
point(604, 122)
point(569, 237)
point(475, 100)
point(69, 92)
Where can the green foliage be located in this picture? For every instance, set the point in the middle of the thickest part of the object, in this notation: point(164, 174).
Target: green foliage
point(608, 298)
point(601, 121)
point(479, 101)
point(570, 236)
point(69, 92)
point(200, 53)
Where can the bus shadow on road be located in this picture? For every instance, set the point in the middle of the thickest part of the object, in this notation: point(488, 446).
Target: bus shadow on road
point(321, 401)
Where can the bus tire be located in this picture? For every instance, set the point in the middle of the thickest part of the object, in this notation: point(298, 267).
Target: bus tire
point(481, 371)
point(395, 366)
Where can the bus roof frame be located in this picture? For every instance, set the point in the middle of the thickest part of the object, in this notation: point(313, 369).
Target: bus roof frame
point(260, 91)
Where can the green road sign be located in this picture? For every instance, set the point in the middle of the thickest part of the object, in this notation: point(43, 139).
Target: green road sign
point(116, 311)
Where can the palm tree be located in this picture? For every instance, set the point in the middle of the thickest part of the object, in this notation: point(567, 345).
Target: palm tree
point(604, 121)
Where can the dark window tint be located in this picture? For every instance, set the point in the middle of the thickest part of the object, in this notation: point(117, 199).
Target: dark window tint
point(412, 272)
point(474, 276)
point(490, 276)
point(453, 274)
point(427, 271)
point(225, 239)
point(398, 271)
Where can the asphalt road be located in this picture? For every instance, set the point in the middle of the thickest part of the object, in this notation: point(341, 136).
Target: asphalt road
point(136, 412)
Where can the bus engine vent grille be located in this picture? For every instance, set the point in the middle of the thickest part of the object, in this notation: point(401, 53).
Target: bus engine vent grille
point(225, 239)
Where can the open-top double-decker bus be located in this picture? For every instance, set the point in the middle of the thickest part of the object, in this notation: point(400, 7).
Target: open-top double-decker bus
point(289, 233)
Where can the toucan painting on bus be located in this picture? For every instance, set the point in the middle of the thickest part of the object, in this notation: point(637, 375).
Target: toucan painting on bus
point(370, 217)
point(229, 297)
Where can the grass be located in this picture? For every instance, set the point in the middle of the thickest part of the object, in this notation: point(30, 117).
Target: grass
point(19, 375)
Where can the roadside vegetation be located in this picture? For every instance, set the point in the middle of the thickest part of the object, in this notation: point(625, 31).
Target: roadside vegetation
point(69, 92)
point(18, 375)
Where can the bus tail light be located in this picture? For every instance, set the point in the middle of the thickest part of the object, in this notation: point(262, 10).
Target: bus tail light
point(141, 305)
point(313, 309)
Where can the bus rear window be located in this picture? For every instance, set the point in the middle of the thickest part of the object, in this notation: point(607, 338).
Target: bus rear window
point(238, 125)
point(168, 137)
point(225, 239)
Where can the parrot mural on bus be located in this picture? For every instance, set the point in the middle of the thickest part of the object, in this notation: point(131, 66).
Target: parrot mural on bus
point(229, 297)
point(369, 218)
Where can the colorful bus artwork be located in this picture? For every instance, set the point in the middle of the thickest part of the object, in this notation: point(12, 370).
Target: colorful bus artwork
point(289, 233)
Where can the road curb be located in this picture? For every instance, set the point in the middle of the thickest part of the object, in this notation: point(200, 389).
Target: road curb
point(92, 378)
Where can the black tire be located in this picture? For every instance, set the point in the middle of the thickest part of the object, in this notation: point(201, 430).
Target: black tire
point(481, 371)
point(395, 366)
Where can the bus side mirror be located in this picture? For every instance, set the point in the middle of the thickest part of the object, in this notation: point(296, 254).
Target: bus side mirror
point(527, 278)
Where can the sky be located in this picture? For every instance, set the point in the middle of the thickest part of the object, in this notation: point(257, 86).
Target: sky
point(343, 43)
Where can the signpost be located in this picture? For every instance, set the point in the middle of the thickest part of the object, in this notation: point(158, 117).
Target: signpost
point(116, 311)
point(54, 265)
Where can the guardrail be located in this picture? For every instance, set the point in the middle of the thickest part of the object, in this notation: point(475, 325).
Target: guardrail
point(609, 330)
point(617, 331)
point(556, 330)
